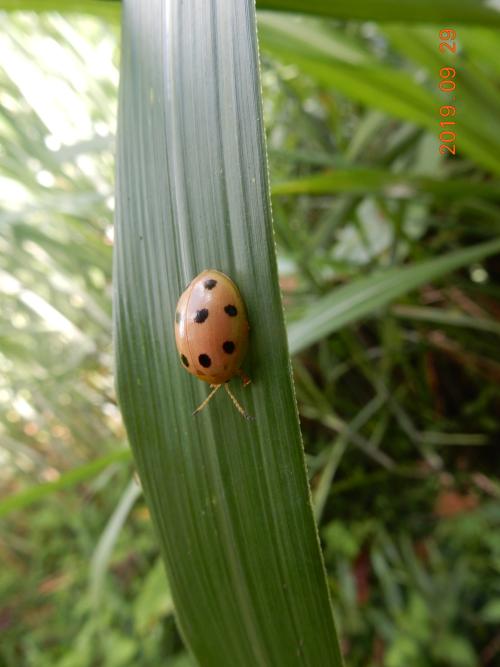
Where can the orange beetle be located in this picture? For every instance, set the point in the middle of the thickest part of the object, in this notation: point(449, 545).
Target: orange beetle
point(211, 332)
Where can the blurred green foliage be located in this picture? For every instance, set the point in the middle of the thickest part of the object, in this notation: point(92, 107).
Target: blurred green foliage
point(400, 411)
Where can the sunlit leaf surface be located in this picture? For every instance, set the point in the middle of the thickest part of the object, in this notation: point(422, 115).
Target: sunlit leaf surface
point(229, 497)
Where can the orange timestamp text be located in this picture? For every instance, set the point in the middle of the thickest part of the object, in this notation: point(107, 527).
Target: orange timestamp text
point(447, 85)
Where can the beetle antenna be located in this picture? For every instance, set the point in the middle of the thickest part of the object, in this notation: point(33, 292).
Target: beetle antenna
point(214, 389)
point(237, 405)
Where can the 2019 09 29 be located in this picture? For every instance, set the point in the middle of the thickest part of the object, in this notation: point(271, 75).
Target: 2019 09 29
point(447, 85)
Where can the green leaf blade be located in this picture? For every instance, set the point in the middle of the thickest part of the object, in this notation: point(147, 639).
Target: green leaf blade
point(410, 11)
point(364, 296)
point(382, 86)
point(229, 498)
point(384, 182)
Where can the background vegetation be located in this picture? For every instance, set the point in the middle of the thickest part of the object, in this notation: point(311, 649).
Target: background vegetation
point(399, 406)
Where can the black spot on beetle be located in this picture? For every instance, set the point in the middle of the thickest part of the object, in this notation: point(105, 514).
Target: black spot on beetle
point(201, 315)
point(184, 361)
point(228, 346)
point(205, 360)
point(177, 317)
point(210, 283)
point(231, 310)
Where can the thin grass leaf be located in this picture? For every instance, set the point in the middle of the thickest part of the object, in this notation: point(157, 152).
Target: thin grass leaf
point(418, 11)
point(65, 481)
point(154, 600)
point(228, 497)
point(474, 12)
point(387, 183)
point(106, 8)
point(394, 91)
point(364, 296)
point(104, 548)
point(446, 318)
point(477, 97)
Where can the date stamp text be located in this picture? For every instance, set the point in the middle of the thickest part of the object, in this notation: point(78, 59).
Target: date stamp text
point(447, 84)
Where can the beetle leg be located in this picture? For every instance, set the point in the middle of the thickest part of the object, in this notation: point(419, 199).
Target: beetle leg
point(214, 388)
point(244, 378)
point(236, 404)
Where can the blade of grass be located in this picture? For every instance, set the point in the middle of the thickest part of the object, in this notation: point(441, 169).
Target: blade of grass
point(477, 94)
point(229, 498)
point(390, 184)
point(102, 553)
point(364, 296)
point(395, 92)
point(445, 317)
point(154, 600)
point(66, 480)
point(337, 450)
point(418, 11)
point(107, 8)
